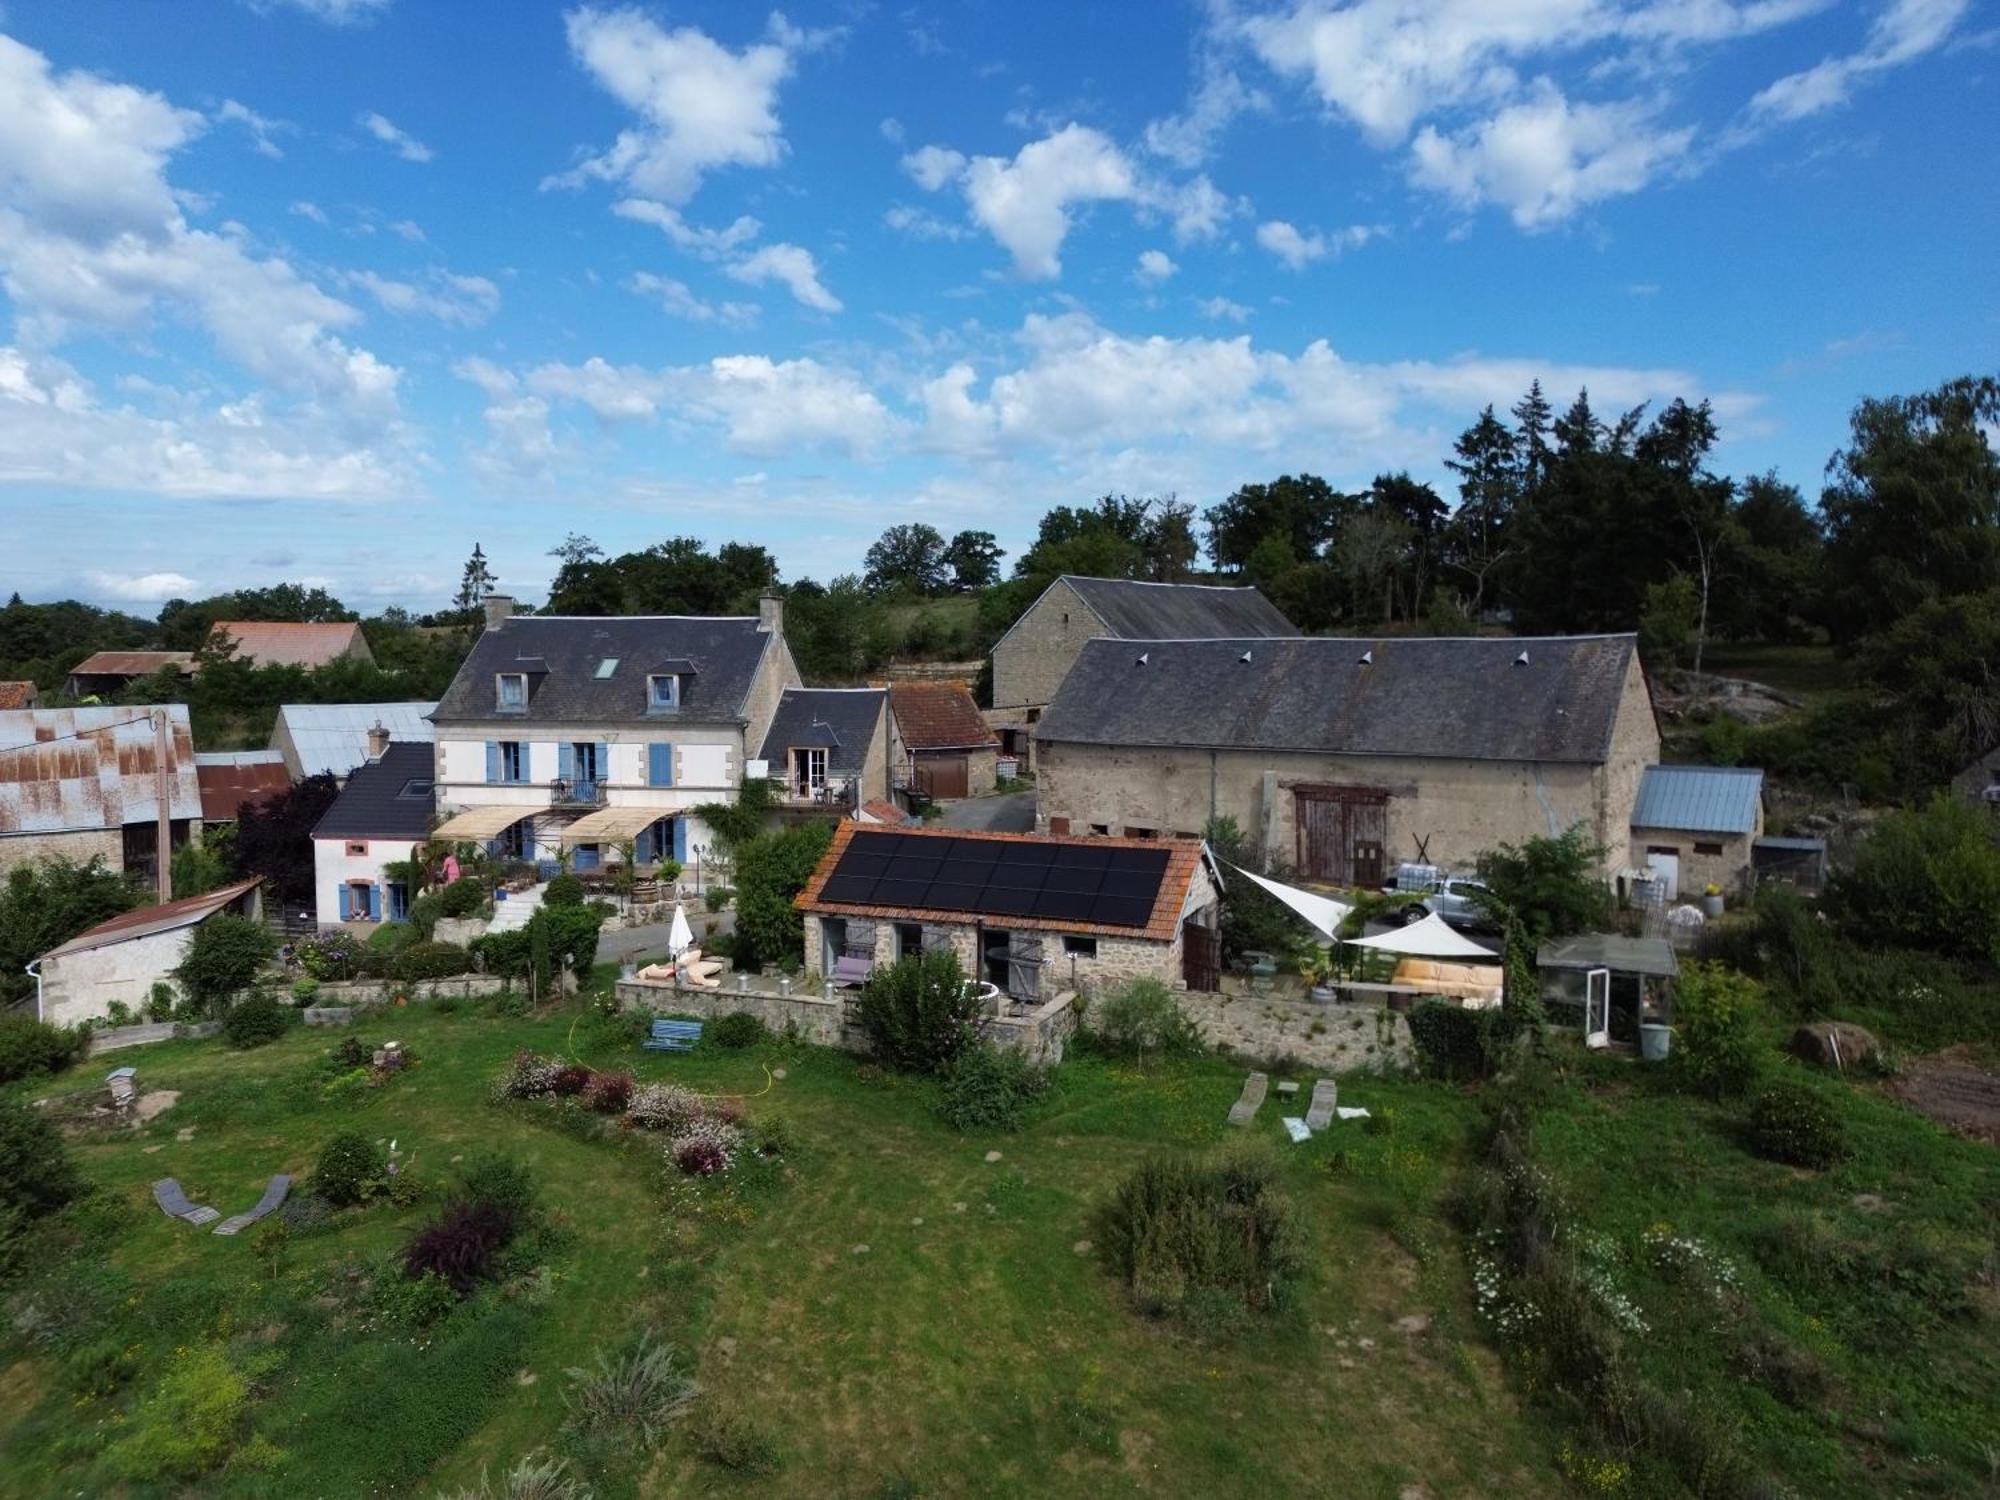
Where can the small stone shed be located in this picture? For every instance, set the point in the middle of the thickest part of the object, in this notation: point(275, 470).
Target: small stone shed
point(943, 747)
point(123, 958)
point(1696, 826)
point(1031, 914)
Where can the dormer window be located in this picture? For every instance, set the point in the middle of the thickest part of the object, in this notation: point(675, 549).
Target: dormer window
point(663, 690)
point(513, 692)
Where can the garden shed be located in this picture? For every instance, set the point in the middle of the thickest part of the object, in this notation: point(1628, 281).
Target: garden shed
point(122, 959)
point(1608, 984)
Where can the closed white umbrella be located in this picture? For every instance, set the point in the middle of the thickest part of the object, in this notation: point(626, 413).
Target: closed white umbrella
point(680, 937)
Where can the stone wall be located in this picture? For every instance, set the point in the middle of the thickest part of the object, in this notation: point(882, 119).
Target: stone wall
point(384, 991)
point(1117, 962)
point(79, 845)
point(1333, 1037)
point(1730, 869)
point(1031, 660)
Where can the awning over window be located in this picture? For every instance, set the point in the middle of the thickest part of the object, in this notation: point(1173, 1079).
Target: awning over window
point(477, 824)
point(611, 825)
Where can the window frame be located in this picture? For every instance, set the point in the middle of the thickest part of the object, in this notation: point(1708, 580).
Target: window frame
point(1708, 850)
point(654, 702)
point(500, 681)
point(357, 848)
point(1079, 945)
point(520, 756)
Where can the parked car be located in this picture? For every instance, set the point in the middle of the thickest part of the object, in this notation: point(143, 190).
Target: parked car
point(1457, 901)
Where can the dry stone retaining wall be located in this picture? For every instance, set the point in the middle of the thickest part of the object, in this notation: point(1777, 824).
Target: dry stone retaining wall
point(1338, 1038)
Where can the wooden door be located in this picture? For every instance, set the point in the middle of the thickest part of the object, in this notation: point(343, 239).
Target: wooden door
point(1341, 833)
point(941, 776)
point(1201, 956)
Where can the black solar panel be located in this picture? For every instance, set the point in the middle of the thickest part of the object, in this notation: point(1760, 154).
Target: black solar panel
point(999, 878)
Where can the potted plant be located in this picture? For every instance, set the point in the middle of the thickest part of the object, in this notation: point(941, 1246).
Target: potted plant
point(1315, 966)
point(1711, 901)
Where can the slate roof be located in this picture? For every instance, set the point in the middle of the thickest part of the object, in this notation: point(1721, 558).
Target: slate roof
point(939, 716)
point(567, 651)
point(133, 663)
point(1137, 611)
point(148, 920)
point(333, 737)
point(1699, 799)
point(295, 643)
point(378, 803)
point(1460, 698)
point(839, 720)
point(230, 778)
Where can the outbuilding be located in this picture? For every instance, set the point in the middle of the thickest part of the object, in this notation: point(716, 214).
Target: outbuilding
point(942, 747)
point(1696, 826)
point(381, 817)
point(122, 959)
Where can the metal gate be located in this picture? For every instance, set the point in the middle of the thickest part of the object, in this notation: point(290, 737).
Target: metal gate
point(941, 776)
point(1201, 956)
point(1341, 833)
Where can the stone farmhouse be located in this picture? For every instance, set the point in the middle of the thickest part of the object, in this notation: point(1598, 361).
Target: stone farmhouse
point(586, 732)
point(1340, 758)
point(1031, 660)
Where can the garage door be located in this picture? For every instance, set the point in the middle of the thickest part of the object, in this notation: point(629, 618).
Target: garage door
point(942, 776)
point(1341, 831)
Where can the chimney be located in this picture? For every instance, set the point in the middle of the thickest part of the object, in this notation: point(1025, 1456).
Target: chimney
point(498, 607)
point(771, 614)
point(378, 741)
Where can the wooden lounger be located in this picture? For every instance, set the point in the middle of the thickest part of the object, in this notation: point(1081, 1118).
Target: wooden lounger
point(1245, 1108)
point(274, 1194)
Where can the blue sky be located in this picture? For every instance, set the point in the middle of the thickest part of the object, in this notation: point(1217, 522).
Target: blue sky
point(330, 289)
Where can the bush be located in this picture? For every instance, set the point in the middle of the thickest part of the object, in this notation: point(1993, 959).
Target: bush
point(494, 1177)
point(531, 1076)
point(329, 955)
point(990, 1088)
point(29, 1047)
point(716, 897)
point(571, 1079)
point(465, 897)
point(533, 1478)
point(1144, 1020)
point(737, 1443)
point(223, 957)
point(608, 1093)
point(663, 1106)
point(254, 1020)
point(1718, 1027)
point(1927, 880)
point(705, 1147)
point(564, 890)
point(635, 1393)
point(305, 990)
point(920, 1012)
point(770, 870)
point(424, 913)
point(1449, 1040)
point(1551, 886)
point(36, 1174)
point(160, 1001)
point(1179, 1229)
point(462, 1245)
point(187, 1424)
point(50, 902)
point(350, 1170)
point(392, 938)
point(422, 961)
point(1792, 1123)
point(737, 1030)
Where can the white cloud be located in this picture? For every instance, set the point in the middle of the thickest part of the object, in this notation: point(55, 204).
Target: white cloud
point(389, 133)
point(1155, 266)
point(701, 105)
point(307, 209)
point(408, 229)
point(678, 301)
point(1297, 249)
point(931, 167)
point(1903, 31)
point(1222, 310)
point(919, 224)
point(519, 445)
point(892, 130)
point(790, 265)
point(1188, 139)
point(466, 301)
point(147, 588)
point(261, 130)
point(1544, 158)
point(333, 12)
point(710, 244)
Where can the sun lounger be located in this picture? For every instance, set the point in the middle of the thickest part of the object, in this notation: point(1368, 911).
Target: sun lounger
point(851, 969)
point(175, 1205)
point(1245, 1108)
point(1319, 1114)
point(273, 1196)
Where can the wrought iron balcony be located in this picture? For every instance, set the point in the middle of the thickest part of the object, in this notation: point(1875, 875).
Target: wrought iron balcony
point(565, 791)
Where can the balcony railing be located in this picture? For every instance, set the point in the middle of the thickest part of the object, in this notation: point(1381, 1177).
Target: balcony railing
point(566, 791)
point(832, 794)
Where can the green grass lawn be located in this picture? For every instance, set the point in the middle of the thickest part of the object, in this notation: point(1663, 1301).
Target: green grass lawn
point(897, 1314)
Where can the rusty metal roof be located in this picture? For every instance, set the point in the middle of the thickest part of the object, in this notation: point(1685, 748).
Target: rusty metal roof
point(67, 769)
point(148, 920)
point(133, 663)
point(18, 694)
point(230, 778)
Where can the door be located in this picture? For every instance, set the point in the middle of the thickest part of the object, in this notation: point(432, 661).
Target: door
point(1201, 956)
point(1666, 863)
point(941, 776)
point(1340, 833)
point(1597, 1008)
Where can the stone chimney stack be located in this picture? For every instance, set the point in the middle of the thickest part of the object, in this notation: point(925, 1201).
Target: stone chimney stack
point(771, 614)
point(498, 607)
point(378, 741)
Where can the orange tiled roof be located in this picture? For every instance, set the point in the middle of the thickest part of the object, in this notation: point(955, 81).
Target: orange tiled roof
point(17, 694)
point(939, 716)
point(885, 812)
point(292, 643)
point(1183, 858)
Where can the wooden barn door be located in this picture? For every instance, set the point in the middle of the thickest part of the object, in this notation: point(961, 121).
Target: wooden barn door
point(1201, 956)
point(941, 776)
point(1341, 833)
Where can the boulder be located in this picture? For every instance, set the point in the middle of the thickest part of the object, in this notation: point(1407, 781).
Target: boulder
point(1835, 1044)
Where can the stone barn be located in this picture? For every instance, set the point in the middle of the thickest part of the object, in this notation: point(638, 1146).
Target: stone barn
point(1030, 914)
point(1341, 758)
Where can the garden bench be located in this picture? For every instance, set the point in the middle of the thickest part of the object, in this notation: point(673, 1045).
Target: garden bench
point(851, 969)
point(1319, 1114)
point(673, 1036)
point(1245, 1108)
point(175, 1205)
point(274, 1194)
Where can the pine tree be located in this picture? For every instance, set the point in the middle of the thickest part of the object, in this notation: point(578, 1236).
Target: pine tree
point(1578, 430)
point(477, 583)
point(1531, 417)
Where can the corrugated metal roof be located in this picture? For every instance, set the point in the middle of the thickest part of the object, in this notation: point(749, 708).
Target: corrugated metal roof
point(65, 769)
point(1699, 799)
point(133, 663)
point(230, 778)
point(148, 920)
point(333, 737)
point(1605, 950)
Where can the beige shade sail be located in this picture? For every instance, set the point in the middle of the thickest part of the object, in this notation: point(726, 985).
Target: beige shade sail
point(475, 824)
point(611, 825)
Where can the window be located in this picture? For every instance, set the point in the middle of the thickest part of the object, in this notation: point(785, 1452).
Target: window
point(663, 690)
point(1079, 947)
point(606, 667)
point(1133, 832)
point(357, 848)
point(513, 841)
point(811, 777)
point(416, 789)
point(909, 940)
point(1673, 849)
point(509, 762)
point(1713, 851)
point(1102, 830)
point(513, 692)
point(589, 857)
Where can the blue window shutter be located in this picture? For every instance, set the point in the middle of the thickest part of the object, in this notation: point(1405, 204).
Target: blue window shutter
point(346, 903)
point(492, 762)
point(642, 846)
point(681, 839)
point(374, 903)
point(566, 761)
point(602, 770)
point(659, 764)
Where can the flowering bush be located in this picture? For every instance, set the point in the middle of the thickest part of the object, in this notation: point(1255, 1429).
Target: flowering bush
point(705, 1147)
point(571, 1079)
point(330, 955)
point(531, 1076)
point(1790, 1122)
point(608, 1093)
point(1691, 1261)
point(663, 1106)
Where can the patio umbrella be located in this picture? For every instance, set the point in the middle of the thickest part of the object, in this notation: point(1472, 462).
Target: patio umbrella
point(680, 937)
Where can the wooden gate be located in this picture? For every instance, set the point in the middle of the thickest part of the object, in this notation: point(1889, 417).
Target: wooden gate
point(1201, 956)
point(1341, 833)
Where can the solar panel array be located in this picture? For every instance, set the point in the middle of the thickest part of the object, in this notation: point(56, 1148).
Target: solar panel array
point(999, 878)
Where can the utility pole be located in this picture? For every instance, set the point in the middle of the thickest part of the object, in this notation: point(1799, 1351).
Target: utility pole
point(163, 798)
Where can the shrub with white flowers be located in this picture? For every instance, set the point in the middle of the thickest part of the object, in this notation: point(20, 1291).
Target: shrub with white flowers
point(663, 1106)
point(705, 1148)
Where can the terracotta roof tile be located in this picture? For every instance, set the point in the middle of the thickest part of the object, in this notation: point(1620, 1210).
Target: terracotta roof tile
point(18, 694)
point(294, 643)
point(939, 716)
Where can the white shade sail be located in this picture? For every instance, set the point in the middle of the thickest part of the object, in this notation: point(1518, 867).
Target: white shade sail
point(1322, 913)
point(1433, 937)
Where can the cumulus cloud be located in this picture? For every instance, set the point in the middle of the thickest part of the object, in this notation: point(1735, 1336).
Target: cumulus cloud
point(260, 129)
point(307, 209)
point(1903, 31)
point(390, 134)
point(792, 267)
point(1188, 139)
point(1222, 310)
point(676, 300)
point(710, 244)
point(1297, 249)
point(148, 588)
point(920, 224)
point(1155, 266)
